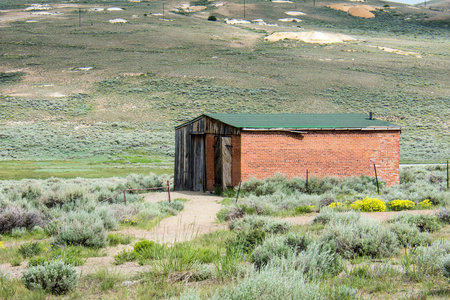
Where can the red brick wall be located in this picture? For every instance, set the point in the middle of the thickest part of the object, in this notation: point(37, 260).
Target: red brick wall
point(322, 153)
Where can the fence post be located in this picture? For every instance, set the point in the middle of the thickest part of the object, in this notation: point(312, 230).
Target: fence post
point(447, 175)
point(168, 189)
point(306, 184)
point(124, 197)
point(376, 178)
point(239, 189)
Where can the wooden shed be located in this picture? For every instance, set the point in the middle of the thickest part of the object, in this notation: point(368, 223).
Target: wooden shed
point(221, 150)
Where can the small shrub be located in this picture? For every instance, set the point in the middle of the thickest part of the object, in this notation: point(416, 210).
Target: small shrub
point(212, 18)
point(52, 227)
point(71, 255)
point(108, 218)
point(130, 220)
point(409, 236)
point(231, 213)
point(267, 224)
point(30, 249)
point(54, 277)
point(362, 237)
point(172, 208)
point(429, 259)
point(336, 205)
point(304, 209)
point(369, 204)
point(202, 272)
point(425, 203)
point(15, 262)
point(143, 245)
point(327, 215)
point(446, 266)
point(205, 256)
point(113, 239)
point(317, 261)
point(342, 292)
point(124, 256)
point(18, 232)
point(82, 228)
point(398, 205)
point(272, 282)
point(37, 261)
point(326, 201)
point(426, 223)
point(247, 240)
point(149, 249)
point(272, 247)
point(443, 215)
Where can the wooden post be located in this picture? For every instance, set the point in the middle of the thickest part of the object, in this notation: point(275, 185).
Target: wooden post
point(164, 17)
point(447, 175)
point(124, 197)
point(306, 184)
point(239, 190)
point(79, 17)
point(244, 9)
point(376, 178)
point(168, 189)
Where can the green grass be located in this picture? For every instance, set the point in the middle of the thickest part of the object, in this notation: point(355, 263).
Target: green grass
point(97, 168)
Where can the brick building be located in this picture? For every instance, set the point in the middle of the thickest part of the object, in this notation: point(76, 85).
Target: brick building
point(220, 150)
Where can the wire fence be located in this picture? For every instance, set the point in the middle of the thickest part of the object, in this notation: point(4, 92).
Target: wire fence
point(141, 189)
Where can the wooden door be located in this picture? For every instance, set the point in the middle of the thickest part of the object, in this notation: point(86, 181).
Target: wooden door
point(226, 162)
point(222, 162)
point(198, 162)
point(217, 161)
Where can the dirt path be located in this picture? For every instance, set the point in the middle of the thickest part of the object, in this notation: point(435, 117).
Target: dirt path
point(197, 218)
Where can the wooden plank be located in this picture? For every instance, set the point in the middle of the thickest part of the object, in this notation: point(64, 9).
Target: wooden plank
point(176, 175)
point(198, 159)
point(217, 162)
point(226, 162)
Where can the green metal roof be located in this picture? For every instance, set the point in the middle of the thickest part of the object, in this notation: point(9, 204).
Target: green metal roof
point(298, 121)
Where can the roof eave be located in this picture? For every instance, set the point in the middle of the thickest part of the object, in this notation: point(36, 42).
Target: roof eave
point(322, 129)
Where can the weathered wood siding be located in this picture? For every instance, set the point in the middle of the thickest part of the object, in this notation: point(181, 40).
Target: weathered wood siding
point(190, 170)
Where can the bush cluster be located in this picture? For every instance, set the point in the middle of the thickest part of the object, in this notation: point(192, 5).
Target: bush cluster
point(424, 223)
point(30, 249)
point(54, 277)
point(362, 237)
point(369, 204)
point(398, 205)
point(12, 217)
point(266, 224)
point(82, 228)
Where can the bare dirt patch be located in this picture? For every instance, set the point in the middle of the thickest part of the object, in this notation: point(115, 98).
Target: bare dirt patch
point(362, 11)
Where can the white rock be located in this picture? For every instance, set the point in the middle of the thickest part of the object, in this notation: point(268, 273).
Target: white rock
point(118, 21)
point(294, 13)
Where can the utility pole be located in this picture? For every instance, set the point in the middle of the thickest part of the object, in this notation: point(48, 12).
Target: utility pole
point(244, 9)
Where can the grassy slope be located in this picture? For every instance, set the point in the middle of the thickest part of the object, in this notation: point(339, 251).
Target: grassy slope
point(193, 66)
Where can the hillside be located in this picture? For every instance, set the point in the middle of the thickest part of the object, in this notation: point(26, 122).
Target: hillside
point(75, 84)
